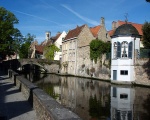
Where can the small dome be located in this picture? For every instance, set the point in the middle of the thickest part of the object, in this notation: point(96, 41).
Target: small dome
point(126, 30)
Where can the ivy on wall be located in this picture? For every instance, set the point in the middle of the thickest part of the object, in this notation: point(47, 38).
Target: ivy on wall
point(50, 51)
point(98, 48)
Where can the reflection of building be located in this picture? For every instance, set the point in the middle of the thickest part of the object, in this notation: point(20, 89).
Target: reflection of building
point(122, 103)
point(125, 48)
point(78, 95)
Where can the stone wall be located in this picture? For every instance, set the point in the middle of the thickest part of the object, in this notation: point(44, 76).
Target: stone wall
point(45, 106)
point(53, 68)
point(142, 71)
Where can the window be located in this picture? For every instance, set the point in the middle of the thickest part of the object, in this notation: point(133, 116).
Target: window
point(130, 50)
point(123, 96)
point(123, 72)
point(124, 49)
point(115, 50)
point(118, 50)
point(114, 92)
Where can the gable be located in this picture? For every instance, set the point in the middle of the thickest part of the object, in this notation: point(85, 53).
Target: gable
point(85, 37)
point(94, 30)
point(74, 32)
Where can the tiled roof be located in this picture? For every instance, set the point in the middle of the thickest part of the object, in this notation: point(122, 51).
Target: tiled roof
point(136, 25)
point(95, 30)
point(56, 37)
point(111, 32)
point(74, 33)
point(39, 48)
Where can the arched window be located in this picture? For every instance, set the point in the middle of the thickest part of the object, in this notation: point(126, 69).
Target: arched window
point(118, 50)
point(124, 49)
point(130, 49)
point(115, 50)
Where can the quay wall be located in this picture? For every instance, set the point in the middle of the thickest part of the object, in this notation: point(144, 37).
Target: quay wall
point(45, 106)
point(142, 71)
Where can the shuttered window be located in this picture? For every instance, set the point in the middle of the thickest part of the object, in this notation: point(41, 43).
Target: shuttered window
point(130, 50)
point(118, 50)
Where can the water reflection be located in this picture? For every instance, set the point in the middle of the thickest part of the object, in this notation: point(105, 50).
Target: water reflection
point(88, 98)
point(97, 100)
point(122, 103)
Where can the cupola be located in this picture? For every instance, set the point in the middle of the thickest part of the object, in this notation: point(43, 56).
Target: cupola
point(126, 30)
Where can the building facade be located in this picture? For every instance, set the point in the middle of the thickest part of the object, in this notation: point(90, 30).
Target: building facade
point(76, 50)
point(37, 51)
point(124, 50)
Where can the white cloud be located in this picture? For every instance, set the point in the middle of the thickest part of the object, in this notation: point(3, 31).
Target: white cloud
point(31, 15)
point(93, 22)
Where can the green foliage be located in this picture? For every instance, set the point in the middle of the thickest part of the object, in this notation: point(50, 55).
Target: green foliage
point(24, 48)
point(96, 109)
point(148, 0)
point(50, 51)
point(146, 35)
point(8, 33)
point(49, 89)
point(97, 48)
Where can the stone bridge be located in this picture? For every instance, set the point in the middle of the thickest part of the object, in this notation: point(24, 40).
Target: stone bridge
point(19, 63)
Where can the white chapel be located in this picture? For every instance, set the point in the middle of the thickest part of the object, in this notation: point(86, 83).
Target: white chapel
point(125, 44)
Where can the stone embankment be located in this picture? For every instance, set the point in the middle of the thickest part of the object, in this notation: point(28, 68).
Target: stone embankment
point(45, 106)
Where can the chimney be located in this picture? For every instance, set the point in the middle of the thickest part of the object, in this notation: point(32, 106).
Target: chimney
point(114, 25)
point(102, 21)
point(47, 35)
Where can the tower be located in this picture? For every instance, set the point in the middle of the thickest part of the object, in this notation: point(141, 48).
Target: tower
point(47, 35)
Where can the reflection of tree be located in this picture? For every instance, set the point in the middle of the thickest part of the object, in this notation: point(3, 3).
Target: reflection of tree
point(49, 89)
point(96, 110)
point(146, 105)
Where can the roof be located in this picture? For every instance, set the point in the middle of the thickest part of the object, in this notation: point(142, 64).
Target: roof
point(136, 25)
point(111, 32)
point(74, 33)
point(54, 38)
point(39, 48)
point(125, 30)
point(95, 30)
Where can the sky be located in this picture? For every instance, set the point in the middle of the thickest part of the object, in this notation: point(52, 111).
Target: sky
point(38, 16)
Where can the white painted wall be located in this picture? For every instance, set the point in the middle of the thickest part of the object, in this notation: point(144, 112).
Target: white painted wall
point(124, 63)
point(122, 105)
point(58, 43)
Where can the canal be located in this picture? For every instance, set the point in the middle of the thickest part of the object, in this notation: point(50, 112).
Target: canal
point(97, 100)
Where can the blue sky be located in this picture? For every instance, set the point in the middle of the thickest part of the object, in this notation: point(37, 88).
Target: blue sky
point(38, 16)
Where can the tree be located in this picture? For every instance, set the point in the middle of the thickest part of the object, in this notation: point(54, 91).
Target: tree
point(146, 35)
point(8, 33)
point(24, 48)
point(148, 0)
point(50, 51)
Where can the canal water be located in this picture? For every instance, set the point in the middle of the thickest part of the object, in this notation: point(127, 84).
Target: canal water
point(97, 100)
